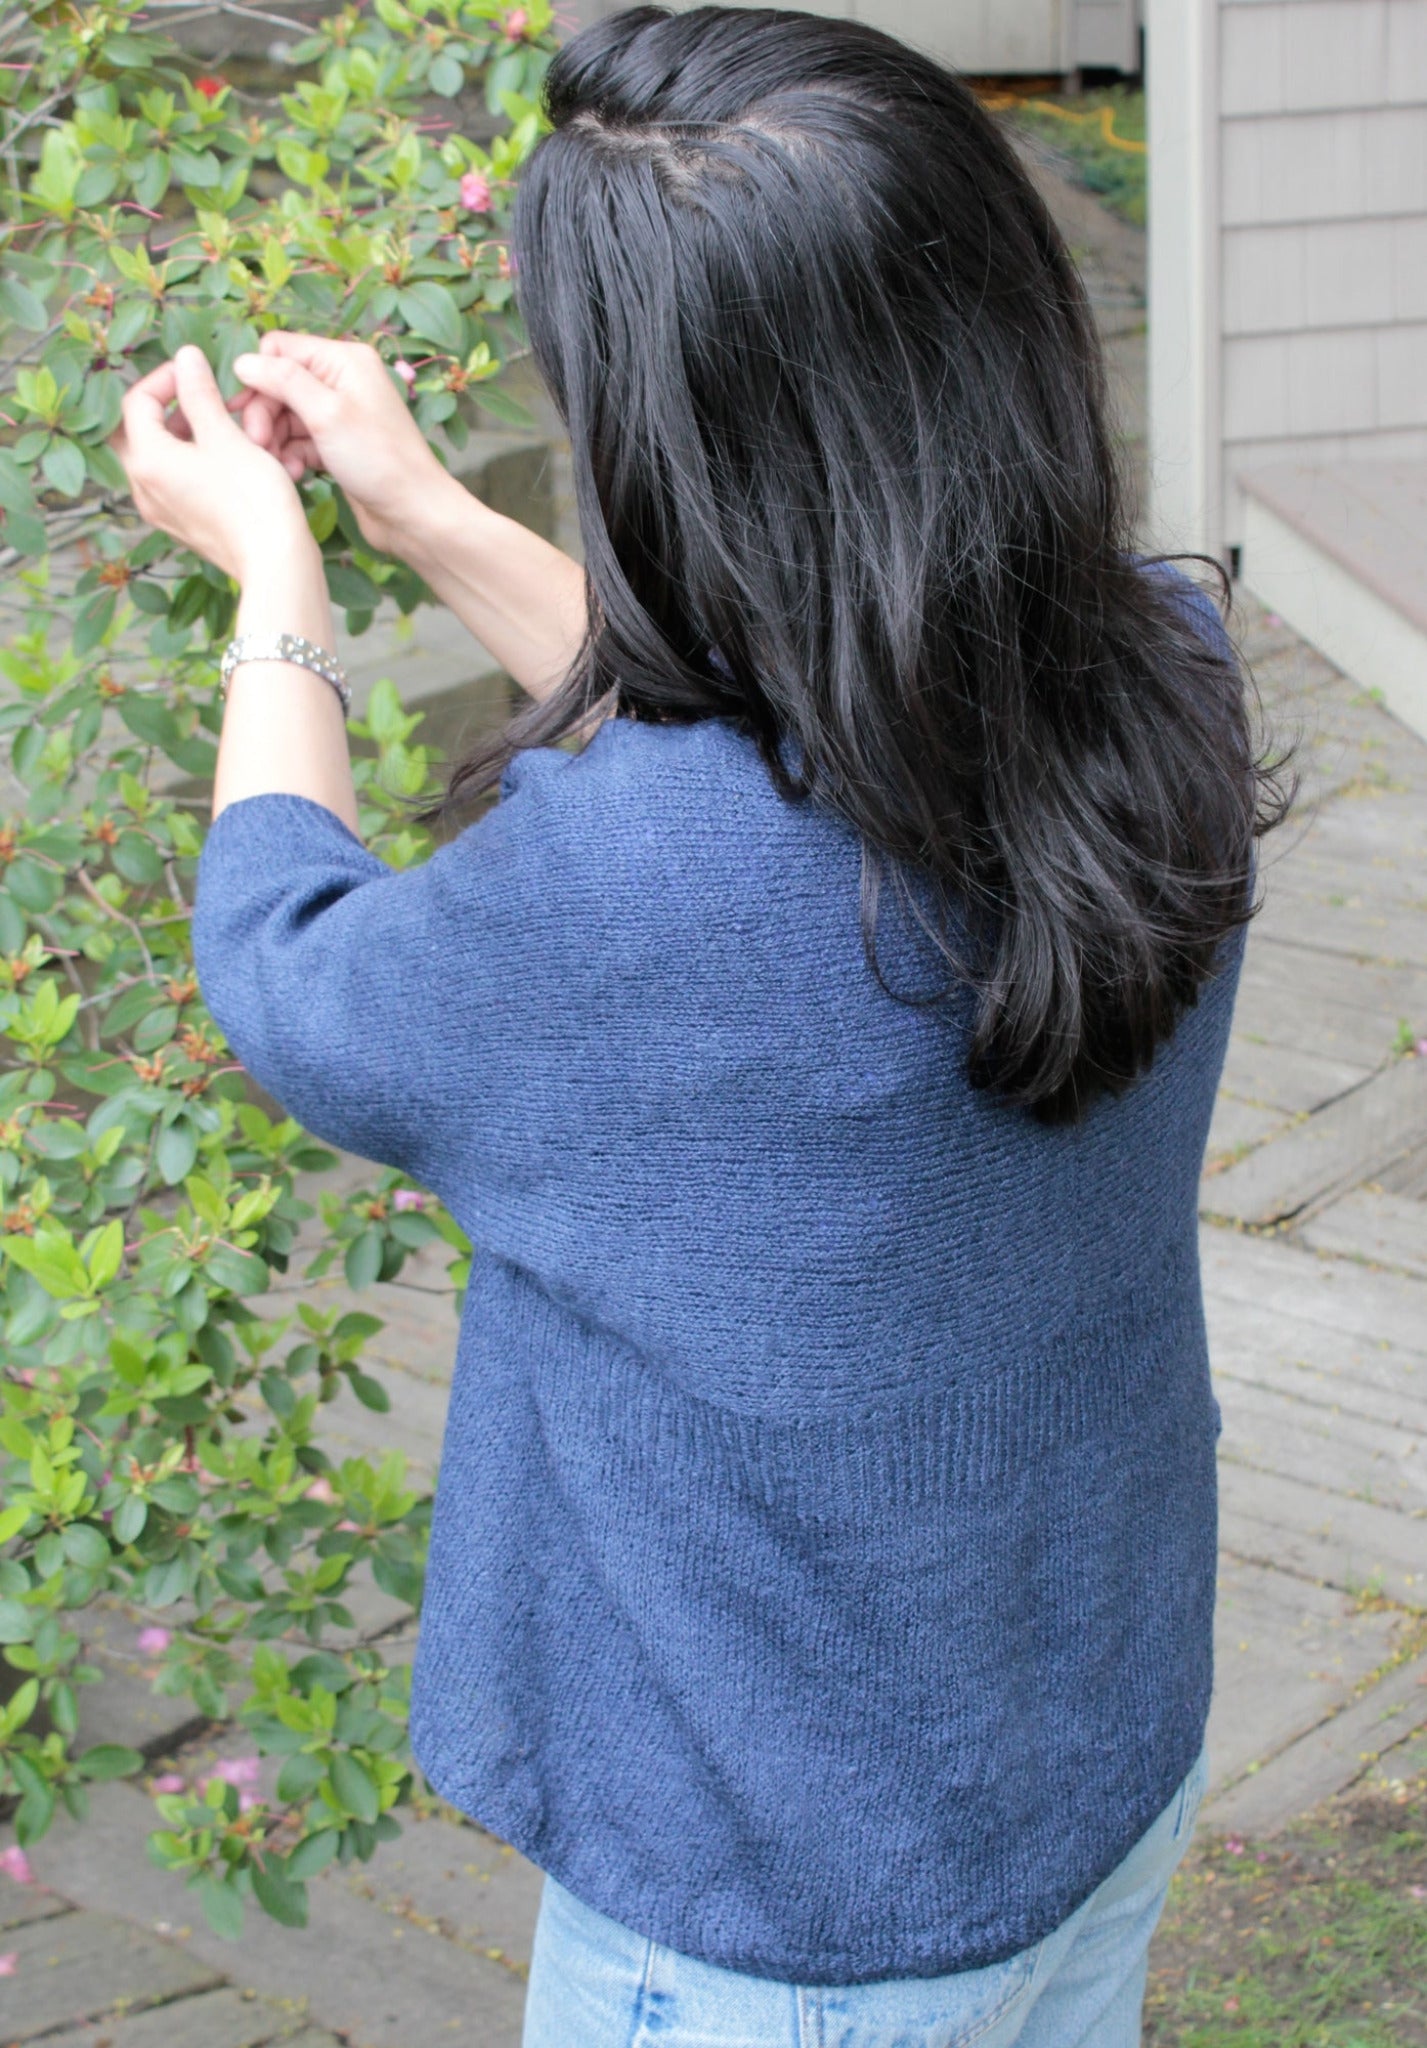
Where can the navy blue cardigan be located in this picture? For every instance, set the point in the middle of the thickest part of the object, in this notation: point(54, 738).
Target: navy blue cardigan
point(824, 1549)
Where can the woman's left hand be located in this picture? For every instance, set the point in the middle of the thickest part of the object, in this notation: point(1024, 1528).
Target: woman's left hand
point(199, 476)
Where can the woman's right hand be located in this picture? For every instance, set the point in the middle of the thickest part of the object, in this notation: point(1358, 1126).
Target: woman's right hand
point(316, 403)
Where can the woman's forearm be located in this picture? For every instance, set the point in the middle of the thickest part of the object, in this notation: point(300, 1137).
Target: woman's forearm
point(523, 599)
point(283, 729)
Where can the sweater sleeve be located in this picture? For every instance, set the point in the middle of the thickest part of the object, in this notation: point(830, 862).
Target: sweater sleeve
point(357, 995)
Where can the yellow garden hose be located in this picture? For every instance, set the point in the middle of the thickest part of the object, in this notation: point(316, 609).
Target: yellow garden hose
point(1103, 115)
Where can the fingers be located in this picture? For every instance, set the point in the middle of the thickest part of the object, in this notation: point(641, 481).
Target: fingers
point(199, 396)
point(320, 354)
point(284, 381)
point(259, 416)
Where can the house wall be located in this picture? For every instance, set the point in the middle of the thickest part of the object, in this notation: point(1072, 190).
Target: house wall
point(986, 37)
point(1288, 244)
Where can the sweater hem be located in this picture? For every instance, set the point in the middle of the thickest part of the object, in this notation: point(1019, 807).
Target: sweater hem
point(931, 1956)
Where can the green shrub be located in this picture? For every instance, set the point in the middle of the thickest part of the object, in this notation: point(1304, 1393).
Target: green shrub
point(160, 1434)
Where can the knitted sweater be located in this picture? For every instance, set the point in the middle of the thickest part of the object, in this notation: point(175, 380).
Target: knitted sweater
point(823, 1557)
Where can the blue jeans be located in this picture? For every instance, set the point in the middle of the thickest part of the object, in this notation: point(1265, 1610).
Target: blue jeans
point(593, 1984)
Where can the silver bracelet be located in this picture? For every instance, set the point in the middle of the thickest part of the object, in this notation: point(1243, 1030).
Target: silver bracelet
point(286, 647)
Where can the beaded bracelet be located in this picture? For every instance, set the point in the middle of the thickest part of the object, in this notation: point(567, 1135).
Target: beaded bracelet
point(286, 647)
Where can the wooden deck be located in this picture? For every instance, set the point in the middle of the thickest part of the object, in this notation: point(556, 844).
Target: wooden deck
point(1315, 1264)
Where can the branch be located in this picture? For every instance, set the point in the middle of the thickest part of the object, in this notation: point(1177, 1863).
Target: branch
point(118, 916)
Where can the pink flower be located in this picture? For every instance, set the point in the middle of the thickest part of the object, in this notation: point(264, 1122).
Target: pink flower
point(349, 1525)
point(210, 87)
point(516, 23)
point(247, 1801)
point(9, 1963)
point(1234, 1846)
point(476, 193)
point(1417, 1891)
point(321, 1490)
point(15, 1863)
point(26, 1375)
point(238, 1770)
point(153, 1641)
point(169, 1781)
point(405, 372)
point(408, 1198)
point(1421, 1048)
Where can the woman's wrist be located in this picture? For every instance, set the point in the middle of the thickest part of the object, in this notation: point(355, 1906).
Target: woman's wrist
point(423, 529)
point(284, 590)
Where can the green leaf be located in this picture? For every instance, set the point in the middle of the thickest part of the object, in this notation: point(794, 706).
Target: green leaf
point(430, 312)
point(353, 1785)
point(299, 1777)
point(313, 1853)
point(24, 307)
point(108, 1254)
point(155, 1028)
point(148, 718)
point(34, 887)
point(363, 1262)
point(350, 588)
point(16, 491)
point(137, 859)
point(17, 1623)
point(200, 168)
point(502, 406)
point(63, 466)
point(109, 1760)
point(94, 621)
point(222, 1908)
point(129, 1518)
point(371, 1393)
point(165, 1583)
point(279, 1897)
point(445, 76)
point(238, 1272)
point(86, 1546)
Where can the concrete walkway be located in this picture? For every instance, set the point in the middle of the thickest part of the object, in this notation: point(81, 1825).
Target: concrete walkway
point(1315, 1263)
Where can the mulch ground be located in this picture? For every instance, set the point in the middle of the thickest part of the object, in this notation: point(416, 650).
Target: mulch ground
point(1316, 1938)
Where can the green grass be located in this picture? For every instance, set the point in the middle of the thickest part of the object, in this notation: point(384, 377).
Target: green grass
point(1315, 1939)
point(1117, 176)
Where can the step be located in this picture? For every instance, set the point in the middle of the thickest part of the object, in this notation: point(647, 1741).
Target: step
point(1339, 550)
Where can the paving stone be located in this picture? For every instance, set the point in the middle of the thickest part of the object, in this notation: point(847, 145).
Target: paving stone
point(213, 2019)
point(1345, 1374)
point(20, 1904)
point(1308, 1530)
point(360, 1969)
point(1237, 1125)
point(1286, 1078)
point(124, 1708)
point(1370, 1224)
point(1286, 1655)
point(1246, 1272)
point(1361, 1456)
point(482, 1893)
point(77, 1965)
point(1327, 1758)
point(1348, 1142)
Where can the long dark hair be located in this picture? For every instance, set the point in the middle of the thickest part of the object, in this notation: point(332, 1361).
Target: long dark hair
point(836, 408)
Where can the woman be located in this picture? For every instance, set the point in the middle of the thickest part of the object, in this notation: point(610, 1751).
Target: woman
point(820, 1057)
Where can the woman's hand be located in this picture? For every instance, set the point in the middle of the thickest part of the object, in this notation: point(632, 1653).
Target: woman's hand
point(200, 477)
point(332, 405)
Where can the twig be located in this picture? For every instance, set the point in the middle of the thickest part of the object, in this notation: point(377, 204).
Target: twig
point(119, 918)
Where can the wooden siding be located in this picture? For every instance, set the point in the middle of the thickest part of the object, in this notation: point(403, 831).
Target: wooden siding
point(1317, 311)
